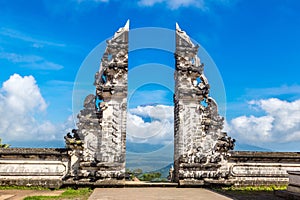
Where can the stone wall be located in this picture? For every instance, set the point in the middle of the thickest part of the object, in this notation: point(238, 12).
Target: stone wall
point(53, 167)
point(249, 168)
point(33, 167)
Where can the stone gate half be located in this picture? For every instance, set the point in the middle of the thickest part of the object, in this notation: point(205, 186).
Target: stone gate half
point(98, 146)
point(200, 146)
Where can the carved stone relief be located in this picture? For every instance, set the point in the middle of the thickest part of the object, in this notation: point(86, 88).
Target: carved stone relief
point(201, 148)
point(100, 147)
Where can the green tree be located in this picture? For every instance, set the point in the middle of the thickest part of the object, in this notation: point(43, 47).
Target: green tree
point(137, 172)
point(150, 176)
point(132, 173)
point(3, 145)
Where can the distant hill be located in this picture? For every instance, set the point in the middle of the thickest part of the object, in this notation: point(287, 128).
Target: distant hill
point(164, 171)
point(38, 144)
point(142, 147)
point(248, 147)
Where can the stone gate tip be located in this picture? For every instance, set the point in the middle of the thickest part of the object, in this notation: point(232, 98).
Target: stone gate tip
point(126, 27)
point(177, 26)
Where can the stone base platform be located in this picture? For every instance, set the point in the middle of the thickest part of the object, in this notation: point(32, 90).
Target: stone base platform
point(99, 183)
point(118, 184)
point(205, 182)
point(149, 184)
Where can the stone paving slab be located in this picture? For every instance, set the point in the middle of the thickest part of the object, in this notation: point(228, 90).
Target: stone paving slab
point(155, 194)
point(21, 194)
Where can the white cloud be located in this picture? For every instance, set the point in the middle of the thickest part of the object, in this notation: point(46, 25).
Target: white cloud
point(253, 128)
point(22, 109)
point(280, 123)
point(22, 94)
point(175, 4)
point(30, 61)
point(290, 90)
point(138, 97)
point(94, 1)
point(158, 112)
point(36, 43)
point(157, 129)
point(149, 2)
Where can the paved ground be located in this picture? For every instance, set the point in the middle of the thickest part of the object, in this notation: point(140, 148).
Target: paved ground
point(252, 195)
point(155, 194)
point(21, 194)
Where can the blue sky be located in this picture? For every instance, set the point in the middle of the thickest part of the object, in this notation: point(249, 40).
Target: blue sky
point(255, 45)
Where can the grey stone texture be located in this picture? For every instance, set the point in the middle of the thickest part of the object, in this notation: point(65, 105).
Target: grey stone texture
point(294, 182)
point(33, 167)
point(293, 189)
point(261, 168)
point(201, 148)
point(102, 123)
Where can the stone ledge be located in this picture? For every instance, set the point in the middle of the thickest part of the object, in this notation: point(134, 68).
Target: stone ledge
point(33, 151)
point(49, 183)
point(191, 183)
point(259, 181)
point(98, 183)
point(280, 157)
point(294, 173)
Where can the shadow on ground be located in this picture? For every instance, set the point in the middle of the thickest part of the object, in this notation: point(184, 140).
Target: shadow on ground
point(250, 195)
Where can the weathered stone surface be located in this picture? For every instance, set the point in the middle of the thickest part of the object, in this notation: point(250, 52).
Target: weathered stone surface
point(33, 167)
point(98, 153)
point(293, 189)
point(294, 178)
point(262, 168)
point(201, 148)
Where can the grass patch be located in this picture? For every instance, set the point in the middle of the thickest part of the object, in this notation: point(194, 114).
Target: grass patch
point(250, 192)
point(23, 188)
point(79, 194)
